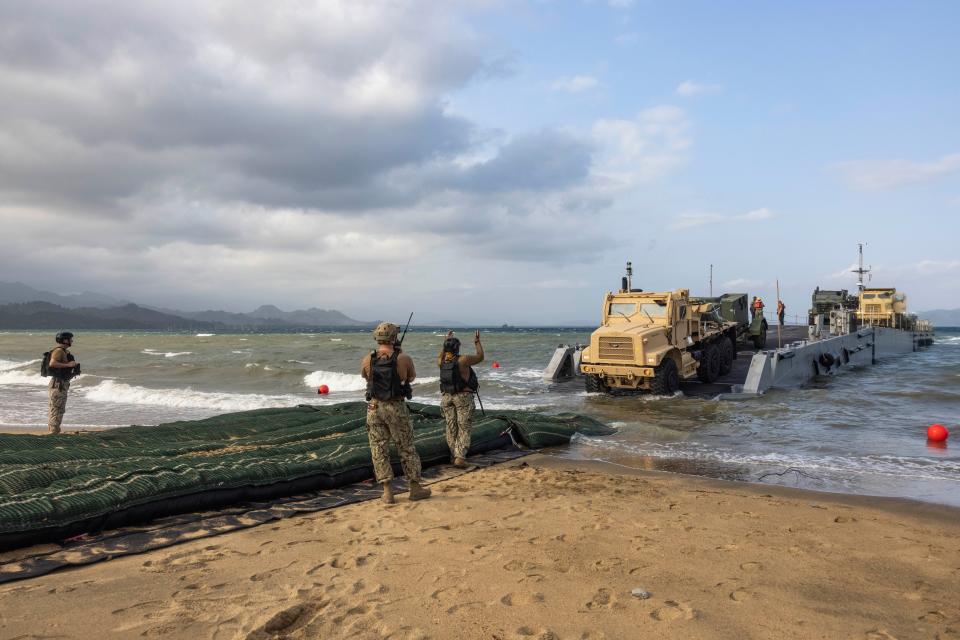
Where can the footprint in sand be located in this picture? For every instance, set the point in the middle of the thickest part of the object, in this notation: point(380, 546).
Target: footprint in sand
point(607, 564)
point(538, 634)
point(741, 595)
point(671, 611)
point(280, 623)
point(521, 599)
point(520, 565)
point(933, 617)
point(879, 634)
point(602, 599)
point(751, 566)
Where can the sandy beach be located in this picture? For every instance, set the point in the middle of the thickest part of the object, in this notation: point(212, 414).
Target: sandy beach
point(538, 548)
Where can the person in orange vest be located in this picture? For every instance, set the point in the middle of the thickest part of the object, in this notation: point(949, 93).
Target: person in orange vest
point(758, 306)
point(781, 310)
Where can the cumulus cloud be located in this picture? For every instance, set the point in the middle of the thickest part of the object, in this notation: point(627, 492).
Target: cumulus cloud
point(885, 175)
point(689, 89)
point(647, 147)
point(692, 220)
point(575, 84)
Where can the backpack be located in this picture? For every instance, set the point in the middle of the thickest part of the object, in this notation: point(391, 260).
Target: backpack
point(56, 373)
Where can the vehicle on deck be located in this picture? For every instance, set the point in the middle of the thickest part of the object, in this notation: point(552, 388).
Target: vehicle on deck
point(649, 341)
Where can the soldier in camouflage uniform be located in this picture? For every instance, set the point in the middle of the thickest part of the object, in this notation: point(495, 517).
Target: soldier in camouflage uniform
point(458, 383)
point(61, 367)
point(388, 373)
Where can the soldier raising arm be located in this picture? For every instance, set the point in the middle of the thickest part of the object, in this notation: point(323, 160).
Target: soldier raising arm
point(458, 383)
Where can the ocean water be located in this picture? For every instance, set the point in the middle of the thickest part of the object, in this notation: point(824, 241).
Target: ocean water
point(862, 431)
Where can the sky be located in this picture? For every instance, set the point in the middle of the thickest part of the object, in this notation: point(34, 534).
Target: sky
point(482, 161)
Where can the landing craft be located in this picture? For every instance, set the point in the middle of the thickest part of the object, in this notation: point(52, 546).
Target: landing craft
point(685, 342)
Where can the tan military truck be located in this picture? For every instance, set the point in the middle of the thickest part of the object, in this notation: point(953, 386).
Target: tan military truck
point(650, 341)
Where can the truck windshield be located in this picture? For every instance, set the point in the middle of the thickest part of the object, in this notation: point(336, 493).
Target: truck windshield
point(623, 309)
point(654, 310)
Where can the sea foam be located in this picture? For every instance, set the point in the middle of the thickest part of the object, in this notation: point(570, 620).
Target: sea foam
point(120, 393)
point(10, 365)
point(347, 381)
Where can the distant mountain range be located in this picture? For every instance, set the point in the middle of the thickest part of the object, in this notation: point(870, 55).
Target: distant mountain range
point(23, 307)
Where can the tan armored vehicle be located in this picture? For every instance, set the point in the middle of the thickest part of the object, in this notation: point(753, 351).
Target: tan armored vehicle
point(650, 341)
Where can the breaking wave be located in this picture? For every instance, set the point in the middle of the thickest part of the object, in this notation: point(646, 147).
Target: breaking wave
point(118, 392)
point(9, 365)
point(347, 381)
point(23, 377)
point(168, 354)
point(335, 380)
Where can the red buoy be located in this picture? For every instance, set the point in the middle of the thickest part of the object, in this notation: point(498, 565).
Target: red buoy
point(496, 365)
point(324, 389)
point(937, 433)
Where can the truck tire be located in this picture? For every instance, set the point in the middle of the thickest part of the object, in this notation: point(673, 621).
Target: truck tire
point(709, 369)
point(760, 340)
point(594, 384)
point(666, 378)
point(727, 354)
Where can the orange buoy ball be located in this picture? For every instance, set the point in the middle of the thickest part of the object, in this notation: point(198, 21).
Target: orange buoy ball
point(496, 365)
point(323, 389)
point(937, 433)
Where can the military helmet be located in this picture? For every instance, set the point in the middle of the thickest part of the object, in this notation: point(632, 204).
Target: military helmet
point(63, 336)
point(452, 345)
point(386, 332)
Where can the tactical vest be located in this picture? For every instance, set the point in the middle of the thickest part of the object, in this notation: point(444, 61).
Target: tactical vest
point(383, 381)
point(452, 382)
point(58, 373)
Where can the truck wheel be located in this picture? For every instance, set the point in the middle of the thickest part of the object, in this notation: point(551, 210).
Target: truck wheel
point(760, 340)
point(666, 378)
point(726, 356)
point(709, 369)
point(594, 384)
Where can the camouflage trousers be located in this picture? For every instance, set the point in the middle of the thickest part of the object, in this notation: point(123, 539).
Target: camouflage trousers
point(458, 412)
point(390, 420)
point(58, 404)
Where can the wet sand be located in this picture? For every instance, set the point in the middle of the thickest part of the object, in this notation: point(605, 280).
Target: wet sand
point(539, 548)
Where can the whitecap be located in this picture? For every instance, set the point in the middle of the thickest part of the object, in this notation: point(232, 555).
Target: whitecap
point(10, 365)
point(299, 362)
point(205, 335)
point(168, 354)
point(336, 380)
point(109, 391)
point(23, 377)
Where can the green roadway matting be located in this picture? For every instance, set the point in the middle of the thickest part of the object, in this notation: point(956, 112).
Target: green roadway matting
point(55, 487)
point(166, 532)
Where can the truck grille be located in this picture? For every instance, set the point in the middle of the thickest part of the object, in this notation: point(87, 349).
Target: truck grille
point(616, 349)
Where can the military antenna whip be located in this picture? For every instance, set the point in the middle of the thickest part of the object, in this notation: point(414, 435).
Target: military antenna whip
point(482, 412)
point(400, 341)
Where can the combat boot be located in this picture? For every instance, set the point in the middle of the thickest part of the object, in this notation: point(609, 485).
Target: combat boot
point(460, 463)
point(418, 492)
point(388, 493)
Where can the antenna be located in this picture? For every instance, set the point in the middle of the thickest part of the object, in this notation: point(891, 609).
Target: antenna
point(711, 281)
point(860, 271)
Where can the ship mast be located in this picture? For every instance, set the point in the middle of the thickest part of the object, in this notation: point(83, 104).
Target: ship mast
point(860, 271)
